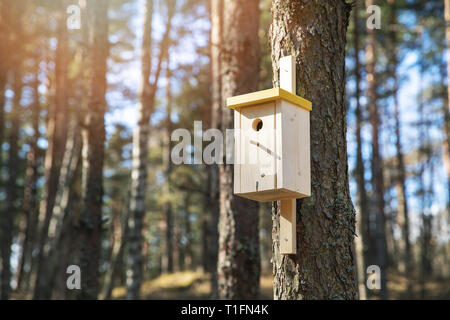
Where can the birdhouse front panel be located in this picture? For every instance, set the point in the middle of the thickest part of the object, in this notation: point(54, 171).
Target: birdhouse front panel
point(272, 155)
point(257, 148)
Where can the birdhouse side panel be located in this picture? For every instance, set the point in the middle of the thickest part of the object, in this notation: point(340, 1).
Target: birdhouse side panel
point(237, 153)
point(295, 167)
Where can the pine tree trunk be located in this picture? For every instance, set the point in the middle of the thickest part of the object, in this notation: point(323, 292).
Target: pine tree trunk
point(239, 261)
point(172, 241)
point(63, 238)
point(93, 135)
point(30, 204)
point(140, 150)
point(11, 209)
point(216, 76)
point(361, 243)
point(314, 32)
point(377, 170)
point(116, 261)
point(139, 171)
point(446, 107)
point(4, 66)
point(56, 136)
point(61, 215)
point(400, 181)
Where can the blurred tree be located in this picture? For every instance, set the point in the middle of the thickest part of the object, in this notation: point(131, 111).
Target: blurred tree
point(400, 179)
point(12, 195)
point(377, 169)
point(4, 66)
point(93, 134)
point(363, 227)
point(140, 146)
point(212, 239)
point(446, 106)
point(118, 202)
point(56, 137)
point(239, 260)
point(30, 201)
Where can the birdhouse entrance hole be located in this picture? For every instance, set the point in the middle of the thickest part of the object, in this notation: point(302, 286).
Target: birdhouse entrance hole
point(257, 124)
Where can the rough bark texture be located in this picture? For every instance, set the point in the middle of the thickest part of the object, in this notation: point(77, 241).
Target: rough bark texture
point(239, 261)
point(314, 32)
point(216, 76)
point(11, 209)
point(361, 242)
point(93, 135)
point(377, 170)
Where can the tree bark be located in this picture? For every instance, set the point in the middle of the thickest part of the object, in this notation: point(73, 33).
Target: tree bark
point(314, 32)
point(93, 135)
point(239, 260)
point(362, 244)
point(377, 170)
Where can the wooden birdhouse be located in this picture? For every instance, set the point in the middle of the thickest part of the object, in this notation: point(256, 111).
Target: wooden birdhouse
point(272, 145)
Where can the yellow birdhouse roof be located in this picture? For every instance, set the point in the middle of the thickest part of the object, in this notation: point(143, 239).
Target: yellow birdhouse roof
point(268, 95)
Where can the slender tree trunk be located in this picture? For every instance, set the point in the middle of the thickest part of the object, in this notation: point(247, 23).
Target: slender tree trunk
point(7, 227)
point(56, 136)
point(400, 179)
point(63, 233)
point(361, 243)
point(323, 267)
point(239, 260)
point(446, 107)
point(30, 206)
point(377, 170)
point(93, 135)
point(172, 242)
point(4, 66)
point(216, 76)
point(187, 233)
point(140, 149)
point(62, 213)
point(139, 171)
point(117, 261)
